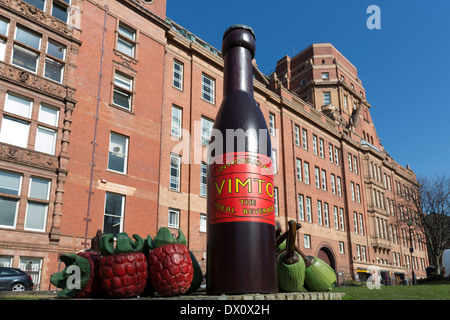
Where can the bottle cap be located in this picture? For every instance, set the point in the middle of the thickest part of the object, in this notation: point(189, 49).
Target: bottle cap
point(239, 35)
point(239, 26)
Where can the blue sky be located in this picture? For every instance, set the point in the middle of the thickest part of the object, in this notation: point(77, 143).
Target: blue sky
point(404, 66)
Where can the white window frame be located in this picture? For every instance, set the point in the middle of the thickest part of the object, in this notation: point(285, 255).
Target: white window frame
point(178, 74)
point(177, 121)
point(208, 95)
point(301, 208)
point(123, 154)
point(122, 210)
point(176, 215)
point(175, 163)
point(203, 176)
point(203, 222)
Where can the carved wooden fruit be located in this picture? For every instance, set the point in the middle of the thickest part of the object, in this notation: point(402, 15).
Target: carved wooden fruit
point(123, 271)
point(290, 266)
point(87, 263)
point(170, 265)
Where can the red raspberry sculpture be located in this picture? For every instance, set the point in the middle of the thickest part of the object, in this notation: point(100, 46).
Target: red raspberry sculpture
point(170, 266)
point(123, 271)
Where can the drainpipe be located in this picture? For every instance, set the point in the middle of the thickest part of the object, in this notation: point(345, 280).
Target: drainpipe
point(94, 142)
point(160, 140)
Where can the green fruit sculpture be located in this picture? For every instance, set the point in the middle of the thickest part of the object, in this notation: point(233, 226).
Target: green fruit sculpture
point(319, 276)
point(290, 265)
point(86, 263)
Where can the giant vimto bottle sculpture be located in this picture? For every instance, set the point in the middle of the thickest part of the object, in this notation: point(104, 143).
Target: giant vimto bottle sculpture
point(241, 254)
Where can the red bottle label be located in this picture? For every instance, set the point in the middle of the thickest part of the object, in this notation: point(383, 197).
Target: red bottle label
point(241, 189)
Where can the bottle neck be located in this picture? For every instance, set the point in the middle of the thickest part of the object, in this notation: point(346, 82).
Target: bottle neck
point(238, 73)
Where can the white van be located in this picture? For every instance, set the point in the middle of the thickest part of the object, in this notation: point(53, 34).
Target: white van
point(446, 263)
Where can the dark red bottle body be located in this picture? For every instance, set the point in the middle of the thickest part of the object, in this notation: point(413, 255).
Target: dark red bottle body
point(241, 227)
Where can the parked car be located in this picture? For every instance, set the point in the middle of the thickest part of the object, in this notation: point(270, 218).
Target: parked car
point(446, 263)
point(12, 279)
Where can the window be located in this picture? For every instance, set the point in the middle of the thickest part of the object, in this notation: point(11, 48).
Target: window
point(18, 105)
point(4, 27)
point(355, 222)
point(272, 124)
point(54, 61)
point(26, 49)
point(352, 185)
point(301, 210)
point(326, 98)
point(114, 211)
point(341, 247)
point(325, 75)
point(123, 91)
point(330, 152)
point(297, 135)
point(175, 167)
point(307, 240)
point(321, 153)
point(177, 118)
point(299, 169)
point(305, 139)
point(358, 252)
point(358, 194)
point(336, 156)
point(341, 218)
point(324, 180)
point(10, 184)
point(208, 87)
point(355, 165)
point(315, 144)
point(60, 10)
point(363, 250)
point(319, 212)
point(203, 179)
point(36, 214)
point(361, 229)
point(178, 74)
point(118, 153)
point(45, 140)
point(275, 200)
point(345, 102)
point(326, 218)
point(14, 131)
point(274, 158)
point(202, 222)
point(308, 209)
point(306, 167)
point(174, 218)
point(207, 126)
point(339, 186)
point(316, 174)
point(333, 183)
point(40, 4)
point(335, 215)
point(126, 40)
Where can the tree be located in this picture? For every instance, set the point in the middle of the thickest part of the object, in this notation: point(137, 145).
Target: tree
point(431, 201)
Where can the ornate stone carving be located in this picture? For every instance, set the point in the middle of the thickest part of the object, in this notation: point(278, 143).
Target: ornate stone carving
point(33, 81)
point(28, 157)
point(32, 13)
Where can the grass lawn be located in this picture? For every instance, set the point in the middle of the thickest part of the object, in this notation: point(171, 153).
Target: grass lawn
point(417, 292)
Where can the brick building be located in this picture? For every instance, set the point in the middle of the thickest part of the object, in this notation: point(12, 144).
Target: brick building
point(105, 113)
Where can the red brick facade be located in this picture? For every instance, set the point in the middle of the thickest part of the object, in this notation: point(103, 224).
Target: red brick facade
point(117, 148)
